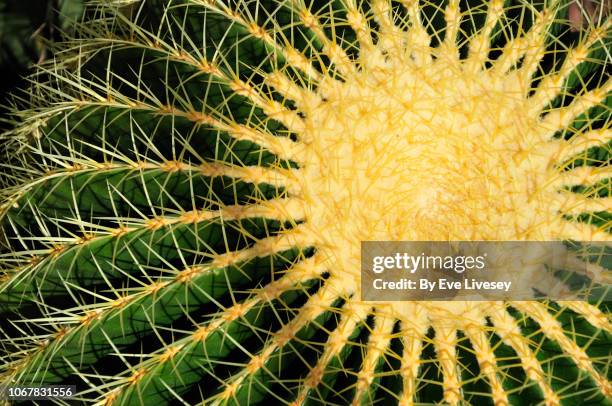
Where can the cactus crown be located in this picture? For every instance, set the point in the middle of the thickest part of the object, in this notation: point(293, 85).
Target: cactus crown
point(190, 180)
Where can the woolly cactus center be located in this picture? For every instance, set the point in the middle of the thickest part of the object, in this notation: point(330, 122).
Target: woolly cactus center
point(404, 153)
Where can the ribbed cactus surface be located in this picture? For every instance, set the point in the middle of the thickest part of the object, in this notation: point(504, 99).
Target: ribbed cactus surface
point(186, 193)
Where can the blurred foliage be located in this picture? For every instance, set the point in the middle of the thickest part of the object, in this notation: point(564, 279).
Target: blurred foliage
point(27, 28)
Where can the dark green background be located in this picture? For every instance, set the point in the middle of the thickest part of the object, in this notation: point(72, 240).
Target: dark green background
point(27, 30)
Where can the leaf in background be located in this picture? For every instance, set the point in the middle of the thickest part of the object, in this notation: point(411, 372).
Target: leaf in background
point(27, 28)
point(69, 12)
point(15, 37)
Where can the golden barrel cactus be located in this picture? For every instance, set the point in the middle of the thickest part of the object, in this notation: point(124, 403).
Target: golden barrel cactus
point(188, 184)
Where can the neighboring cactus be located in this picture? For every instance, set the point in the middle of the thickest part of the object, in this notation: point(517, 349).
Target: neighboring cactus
point(187, 189)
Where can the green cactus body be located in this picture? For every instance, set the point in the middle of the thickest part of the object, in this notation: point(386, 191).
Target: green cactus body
point(186, 192)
